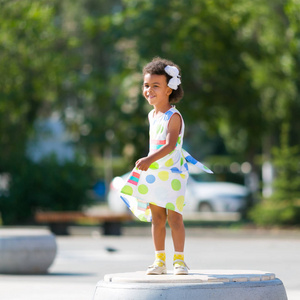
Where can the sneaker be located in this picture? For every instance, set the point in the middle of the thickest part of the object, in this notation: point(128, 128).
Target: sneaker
point(180, 267)
point(156, 269)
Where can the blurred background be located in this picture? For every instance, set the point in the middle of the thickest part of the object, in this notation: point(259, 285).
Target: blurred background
point(72, 116)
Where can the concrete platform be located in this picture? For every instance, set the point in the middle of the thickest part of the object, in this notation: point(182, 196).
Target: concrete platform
point(26, 251)
point(199, 284)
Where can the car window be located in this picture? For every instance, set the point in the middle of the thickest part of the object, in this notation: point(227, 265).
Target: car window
point(203, 177)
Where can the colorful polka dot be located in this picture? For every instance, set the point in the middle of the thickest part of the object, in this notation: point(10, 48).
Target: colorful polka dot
point(143, 189)
point(150, 178)
point(182, 176)
point(181, 161)
point(179, 140)
point(176, 184)
point(206, 168)
point(168, 115)
point(163, 175)
point(191, 159)
point(169, 162)
point(142, 218)
point(127, 190)
point(158, 128)
point(154, 166)
point(175, 170)
point(170, 206)
point(180, 203)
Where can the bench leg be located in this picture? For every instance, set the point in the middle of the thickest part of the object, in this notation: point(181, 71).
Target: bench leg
point(59, 228)
point(112, 228)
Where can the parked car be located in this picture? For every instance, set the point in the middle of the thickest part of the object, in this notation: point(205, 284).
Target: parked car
point(201, 195)
point(209, 196)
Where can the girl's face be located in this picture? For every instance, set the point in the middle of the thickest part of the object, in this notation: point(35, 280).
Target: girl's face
point(156, 90)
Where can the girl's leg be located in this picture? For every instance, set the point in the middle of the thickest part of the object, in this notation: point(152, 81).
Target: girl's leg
point(178, 234)
point(175, 221)
point(159, 218)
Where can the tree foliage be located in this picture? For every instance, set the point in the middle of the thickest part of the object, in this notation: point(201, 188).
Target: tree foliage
point(33, 57)
point(283, 206)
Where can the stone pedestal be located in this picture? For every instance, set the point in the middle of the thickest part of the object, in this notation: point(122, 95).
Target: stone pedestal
point(199, 284)
point(26, 251)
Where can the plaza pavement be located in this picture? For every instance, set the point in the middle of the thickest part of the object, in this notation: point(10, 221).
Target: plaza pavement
point(85, 257)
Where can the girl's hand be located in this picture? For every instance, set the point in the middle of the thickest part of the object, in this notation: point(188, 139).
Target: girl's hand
point(143, 164)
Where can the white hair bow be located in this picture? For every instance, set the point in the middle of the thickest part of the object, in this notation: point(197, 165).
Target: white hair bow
point(175, 80)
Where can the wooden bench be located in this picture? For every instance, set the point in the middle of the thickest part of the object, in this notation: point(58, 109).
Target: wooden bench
point(58, 221)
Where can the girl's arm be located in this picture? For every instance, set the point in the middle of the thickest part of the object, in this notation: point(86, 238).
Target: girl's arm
point(172, 136)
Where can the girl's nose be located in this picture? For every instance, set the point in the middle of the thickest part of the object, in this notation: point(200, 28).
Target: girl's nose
point(147, 90)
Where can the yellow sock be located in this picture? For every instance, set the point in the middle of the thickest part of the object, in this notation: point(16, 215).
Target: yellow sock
point(180, 256)
point(160, 255)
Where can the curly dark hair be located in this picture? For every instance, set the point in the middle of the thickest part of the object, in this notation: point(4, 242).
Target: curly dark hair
point(157, 67)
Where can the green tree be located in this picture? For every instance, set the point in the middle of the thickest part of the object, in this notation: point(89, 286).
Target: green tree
point(103, 116)
point(283, 207)
point(36, 63)
point(33, 64)
point(286, 161)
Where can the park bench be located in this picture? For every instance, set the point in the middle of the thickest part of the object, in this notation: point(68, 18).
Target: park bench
point(58, 221)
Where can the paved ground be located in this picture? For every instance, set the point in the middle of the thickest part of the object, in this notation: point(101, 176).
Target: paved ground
point(82, 260)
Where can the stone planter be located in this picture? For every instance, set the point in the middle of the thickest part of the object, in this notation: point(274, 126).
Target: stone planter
point(26, 251)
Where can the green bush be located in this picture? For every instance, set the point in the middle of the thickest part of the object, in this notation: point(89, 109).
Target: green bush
point(283, 207)
point(46, 185)
point(269, 213)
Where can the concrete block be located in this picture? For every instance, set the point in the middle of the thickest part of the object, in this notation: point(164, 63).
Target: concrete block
point(26, 251)
point(199, 284)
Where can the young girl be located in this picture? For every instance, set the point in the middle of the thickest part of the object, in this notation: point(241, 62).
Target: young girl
point(155, 190)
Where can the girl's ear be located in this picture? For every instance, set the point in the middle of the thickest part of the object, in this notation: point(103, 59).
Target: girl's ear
point(169, 91)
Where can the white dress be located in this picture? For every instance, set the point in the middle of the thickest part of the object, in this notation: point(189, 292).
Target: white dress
point(164, 183)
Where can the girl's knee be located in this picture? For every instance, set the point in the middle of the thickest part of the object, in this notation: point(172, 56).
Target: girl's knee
point(159, 220)
point(159, 217)
point(175, 220)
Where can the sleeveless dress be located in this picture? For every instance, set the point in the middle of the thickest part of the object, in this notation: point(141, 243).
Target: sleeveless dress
point(164, 183)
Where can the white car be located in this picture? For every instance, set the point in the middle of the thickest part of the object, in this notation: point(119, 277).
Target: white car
point(201, 196)
point(204, 196)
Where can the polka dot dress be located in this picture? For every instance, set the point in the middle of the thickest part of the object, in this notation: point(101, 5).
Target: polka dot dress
point(164, 183)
